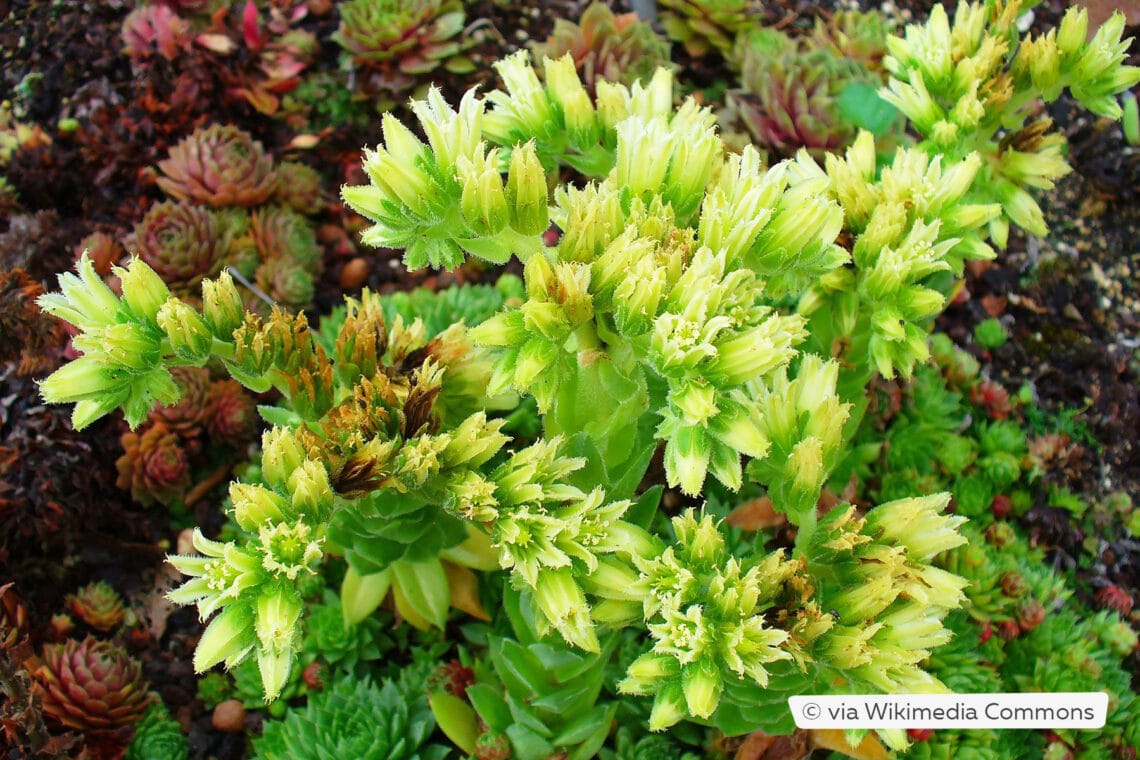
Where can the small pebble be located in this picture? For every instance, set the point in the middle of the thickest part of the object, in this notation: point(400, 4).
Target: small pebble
point(229, 716)
point(354, 274)
point(186, 542)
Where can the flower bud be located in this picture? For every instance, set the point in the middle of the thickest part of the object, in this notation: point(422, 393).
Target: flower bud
point(144, 292)
point(668, 707)
point(563, 604)
point(505, 329)
point(186, 330)
point(526, 191)
point(483, 201)
point(229, 637)
point(687, 456)
point(256, 505)
point(222, 307)
point(83, 378)
point(566, 90)
point(702, 685)
point(1074, 30)
point(311, 493)
point(281, 453)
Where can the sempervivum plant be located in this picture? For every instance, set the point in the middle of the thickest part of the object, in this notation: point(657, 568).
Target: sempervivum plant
point(288, 247)
point(402, 38)
point(354, 718)
point(860, 36)
point(219, 165)
point(191, 411)
point(617, 48)
point(299, 187)
point(98, 605)
point(154, 466)
point(182, 243)
point(232, 414)
point(158, 737)
point(90, 685)
point(790, 101)
point(704, 25)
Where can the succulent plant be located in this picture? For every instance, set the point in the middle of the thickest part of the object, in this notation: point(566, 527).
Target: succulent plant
point(232, 414)
point(156, 28)
point(158, 737)
point(617, 48)
point(103, 249)
point(401, 37)
point(219, 165)
point(193, 408)
point(354, 718)
point(281, 233)
point(93, 686)
point(13, 617)
point(704, 25)
point(182, 243)
point(154, 466)
point(790, 101)
point(859, 36)
point(299, 187)
point(98, 605)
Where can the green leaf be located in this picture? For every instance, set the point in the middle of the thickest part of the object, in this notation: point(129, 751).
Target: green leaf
point(860, 105)
point(425, 586)
point(645, 508)
point(456, 719)
point(589, 732)
point(276, 415)
point(524, 716)
point(360, 595)
point(528, 745)
point(492, 708)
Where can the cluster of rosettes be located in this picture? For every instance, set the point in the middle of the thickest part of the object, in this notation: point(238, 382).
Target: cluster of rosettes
point(605, 45)
point(159, 458)
point(706, 613)
point(908, 224)
point(874, 574)
point(255, 58)
point(231, 206)
point(961, 84)
point(252, 584)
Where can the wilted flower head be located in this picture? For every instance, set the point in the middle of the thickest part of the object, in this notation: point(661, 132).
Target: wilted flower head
point(219, 165)
point(182, 243)
point(154, 465)
point(617, 48)
point(89, 685)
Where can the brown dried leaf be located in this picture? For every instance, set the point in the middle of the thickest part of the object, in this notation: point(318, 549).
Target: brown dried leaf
point(756, 514)
point(834, 739)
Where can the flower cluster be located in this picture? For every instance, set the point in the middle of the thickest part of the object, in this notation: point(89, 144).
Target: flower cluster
point(251, 584)
point(972, 86)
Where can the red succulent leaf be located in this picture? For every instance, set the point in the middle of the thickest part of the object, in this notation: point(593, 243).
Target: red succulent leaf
point(251, 27)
